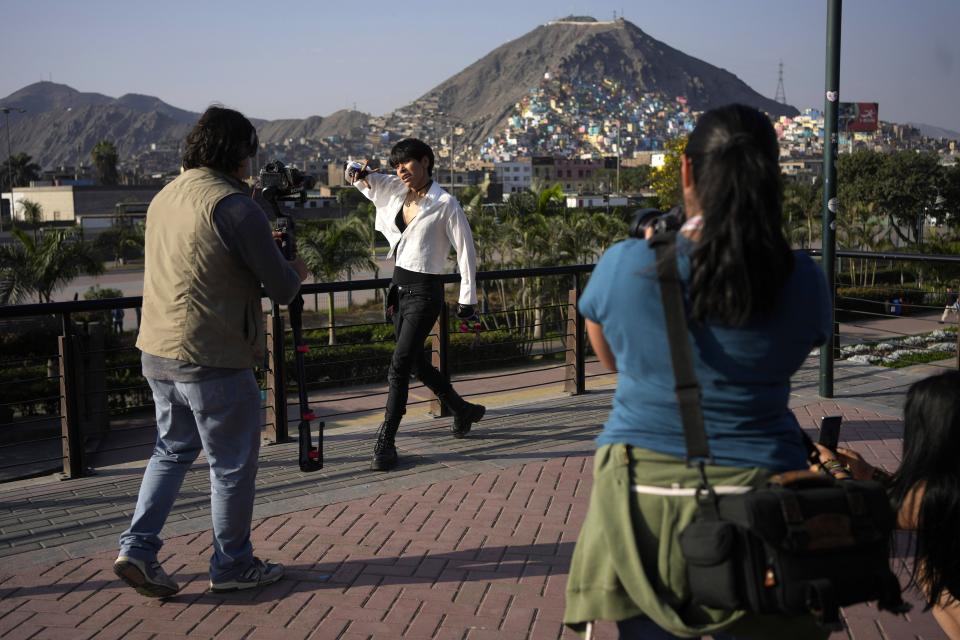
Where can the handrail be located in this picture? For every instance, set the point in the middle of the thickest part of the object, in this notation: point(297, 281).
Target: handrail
point(132, 302)
point(889, 255)
point(83, 400)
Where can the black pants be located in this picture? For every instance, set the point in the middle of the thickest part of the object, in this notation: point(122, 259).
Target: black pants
point(417, 309)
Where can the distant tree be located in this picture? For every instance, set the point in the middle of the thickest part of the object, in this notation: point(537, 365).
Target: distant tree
point(24, 170)
point(105, 159)
point(122, 240)
point(540, 199)
point(666, 179)
point(96, 292)
point(800, 212)
point(349, 200)
point(39, 268)
point(903, 186)
point(332, 250)
point(32, 214)
point(951, 196)
point(632, 179)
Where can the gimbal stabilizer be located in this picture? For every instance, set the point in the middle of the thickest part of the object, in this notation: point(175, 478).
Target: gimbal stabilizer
point(310, 457)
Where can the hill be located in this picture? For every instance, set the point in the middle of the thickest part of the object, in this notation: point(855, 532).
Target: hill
point(585, 50)
point(61, 125)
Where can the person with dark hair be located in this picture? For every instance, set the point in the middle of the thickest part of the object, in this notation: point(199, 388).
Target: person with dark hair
point(209, 248)
point(926, 490)
point(421, 221)
point(952, 306)
point(755, 310)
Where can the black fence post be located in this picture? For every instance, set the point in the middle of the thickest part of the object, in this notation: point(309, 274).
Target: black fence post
point(69, 414)
point(439, 346)
point(575, 380)
point(276, 413)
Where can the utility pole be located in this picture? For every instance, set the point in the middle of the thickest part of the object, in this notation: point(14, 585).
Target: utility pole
point(781, 95)
point(830, 203)
point(6, 113)
point(618, 157)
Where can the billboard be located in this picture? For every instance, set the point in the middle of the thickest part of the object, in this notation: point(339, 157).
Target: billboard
point(859, 116)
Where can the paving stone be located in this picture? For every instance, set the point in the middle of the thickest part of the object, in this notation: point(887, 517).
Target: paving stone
point(468, 539)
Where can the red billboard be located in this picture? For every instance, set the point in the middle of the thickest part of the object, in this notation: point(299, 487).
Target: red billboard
point(859, 116)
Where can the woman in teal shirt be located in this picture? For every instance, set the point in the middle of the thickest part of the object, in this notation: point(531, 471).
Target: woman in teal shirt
point(755, 310)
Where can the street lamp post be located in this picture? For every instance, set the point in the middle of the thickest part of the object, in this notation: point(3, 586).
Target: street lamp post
point(618, 156)
point(6, 113)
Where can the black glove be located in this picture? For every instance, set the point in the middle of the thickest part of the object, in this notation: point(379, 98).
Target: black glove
point(353, 171)
point(465, 311)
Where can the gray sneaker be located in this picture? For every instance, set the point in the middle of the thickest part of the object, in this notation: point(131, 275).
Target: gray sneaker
point(147, 578)
point(258, 574)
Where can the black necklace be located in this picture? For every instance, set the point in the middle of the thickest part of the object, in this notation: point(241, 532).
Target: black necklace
point(419, 193)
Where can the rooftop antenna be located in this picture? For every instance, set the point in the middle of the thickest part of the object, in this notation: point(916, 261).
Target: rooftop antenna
point(781, 96)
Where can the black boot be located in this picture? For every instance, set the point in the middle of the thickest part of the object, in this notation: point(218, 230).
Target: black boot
point(385, 451)
point(464, 413)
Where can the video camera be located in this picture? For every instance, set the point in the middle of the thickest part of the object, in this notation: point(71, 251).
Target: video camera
point(657, 220)
point(280, 182)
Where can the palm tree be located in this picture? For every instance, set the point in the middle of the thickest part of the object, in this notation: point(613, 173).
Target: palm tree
point(333, 250)
point(104, 156)
point(799, 212)
point(40, 268)
point(576, 237)
point(32, 214)
point(22, 168)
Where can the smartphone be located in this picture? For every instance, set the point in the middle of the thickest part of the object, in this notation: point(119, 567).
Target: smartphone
point(830, 431)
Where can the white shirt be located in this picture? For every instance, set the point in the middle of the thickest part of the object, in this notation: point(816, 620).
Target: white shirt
point(425, 244)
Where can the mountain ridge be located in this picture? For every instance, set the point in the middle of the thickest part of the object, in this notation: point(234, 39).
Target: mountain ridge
point(63, 124)
point(580, 46)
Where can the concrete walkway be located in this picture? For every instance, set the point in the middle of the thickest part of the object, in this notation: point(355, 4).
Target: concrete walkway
point(468, 539)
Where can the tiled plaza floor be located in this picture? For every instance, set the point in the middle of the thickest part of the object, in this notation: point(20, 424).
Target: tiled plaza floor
point(468, 539)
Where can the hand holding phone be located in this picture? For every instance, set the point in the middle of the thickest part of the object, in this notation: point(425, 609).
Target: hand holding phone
point(830, 431)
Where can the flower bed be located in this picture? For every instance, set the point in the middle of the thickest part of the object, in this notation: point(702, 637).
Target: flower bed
point(900, 352)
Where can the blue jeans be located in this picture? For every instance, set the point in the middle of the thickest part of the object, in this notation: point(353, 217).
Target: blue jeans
point(222, 417)
point(643, 628)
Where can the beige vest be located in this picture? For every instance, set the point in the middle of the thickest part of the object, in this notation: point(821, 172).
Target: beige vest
point(200, 304)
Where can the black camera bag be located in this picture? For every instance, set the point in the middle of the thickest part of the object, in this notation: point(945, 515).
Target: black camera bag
point(805, 544)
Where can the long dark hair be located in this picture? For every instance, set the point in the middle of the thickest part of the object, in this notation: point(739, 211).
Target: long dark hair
point(931, 460)
point(742, 260)
point(222, 139)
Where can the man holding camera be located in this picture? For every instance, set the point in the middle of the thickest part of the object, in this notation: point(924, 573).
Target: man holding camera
point(208, 249)
point(420, 221)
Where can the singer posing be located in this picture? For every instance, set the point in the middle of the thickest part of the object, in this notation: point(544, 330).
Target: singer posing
point(421, 221)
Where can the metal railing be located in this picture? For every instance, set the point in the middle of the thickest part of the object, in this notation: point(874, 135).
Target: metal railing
point(77, 400)
point(896, 322)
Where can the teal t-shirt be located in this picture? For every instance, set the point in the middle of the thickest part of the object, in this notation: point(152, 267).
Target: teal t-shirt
point(744, 372)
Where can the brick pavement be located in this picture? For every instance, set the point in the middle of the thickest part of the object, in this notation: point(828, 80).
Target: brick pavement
point(470, 540)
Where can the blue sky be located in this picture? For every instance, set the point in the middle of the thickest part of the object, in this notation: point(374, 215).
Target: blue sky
point(295, 59)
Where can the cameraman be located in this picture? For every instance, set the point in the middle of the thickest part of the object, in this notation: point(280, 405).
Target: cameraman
point(208, 248)
point(421, 221)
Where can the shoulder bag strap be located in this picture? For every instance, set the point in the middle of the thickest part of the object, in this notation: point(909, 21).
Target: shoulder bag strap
point(686, 387)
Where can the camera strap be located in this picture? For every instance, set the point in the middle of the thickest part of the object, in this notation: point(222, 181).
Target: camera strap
point(686, 385)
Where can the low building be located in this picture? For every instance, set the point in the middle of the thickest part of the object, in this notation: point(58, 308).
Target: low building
point(596, 201)
point(68, 203)
point(516, 177)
